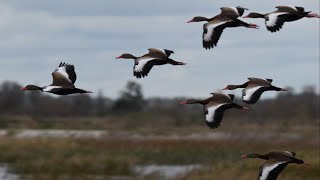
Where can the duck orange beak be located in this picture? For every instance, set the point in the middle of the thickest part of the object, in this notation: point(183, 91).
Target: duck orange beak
point(313, 15)
point(119, 57)
point(190, 21)
point(23, 89)
point(185, 102)
point(225, 88)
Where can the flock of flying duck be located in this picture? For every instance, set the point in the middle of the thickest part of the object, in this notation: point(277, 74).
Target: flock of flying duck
point(64, 76)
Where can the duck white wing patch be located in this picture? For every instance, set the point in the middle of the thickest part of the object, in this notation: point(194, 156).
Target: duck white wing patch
point(247, 93)
point(49, 88)
point(272, 19)
point(267, 169)
point(210, 30)
point(141, 63)
point(211, 112)
point(235, 10)
point(62, 71)
point(162, 51)
point(290, 153)
point(294, 8)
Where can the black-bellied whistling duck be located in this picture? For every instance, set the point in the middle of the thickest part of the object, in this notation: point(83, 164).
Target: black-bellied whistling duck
point(275, 20)
point(215, 106)
point(276, 161)
point(64, 78)
point(143, 64)
point(254, 88)
point(214, 27)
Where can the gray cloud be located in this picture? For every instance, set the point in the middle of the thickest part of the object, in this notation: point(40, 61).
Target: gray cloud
point(37, 35)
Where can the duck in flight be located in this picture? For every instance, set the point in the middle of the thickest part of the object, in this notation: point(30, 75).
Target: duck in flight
point(143, 64)
point(64, 78)
point(254, 88)
point(215, 106)
point(275, 20)
point(276, 161)
point(214, 27)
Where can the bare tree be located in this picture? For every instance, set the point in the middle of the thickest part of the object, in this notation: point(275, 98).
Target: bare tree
point(131, 98)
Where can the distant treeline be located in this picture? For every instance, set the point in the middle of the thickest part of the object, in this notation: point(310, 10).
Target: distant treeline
point(14, 102)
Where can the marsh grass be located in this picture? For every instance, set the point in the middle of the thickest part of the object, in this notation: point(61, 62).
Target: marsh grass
point(55, 158)
point(163, 144)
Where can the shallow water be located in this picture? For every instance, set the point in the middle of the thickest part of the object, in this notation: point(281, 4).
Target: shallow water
point(165, 171)
point(31, 133)
point(5, 175)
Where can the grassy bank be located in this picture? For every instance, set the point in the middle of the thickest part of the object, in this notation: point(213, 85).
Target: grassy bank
point(151, 121)
point(86, 158)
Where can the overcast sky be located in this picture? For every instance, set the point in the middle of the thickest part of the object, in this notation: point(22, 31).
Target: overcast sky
point(36, 35)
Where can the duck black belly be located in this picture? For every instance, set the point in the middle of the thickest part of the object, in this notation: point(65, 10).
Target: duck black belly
point(295, 17)
point(66, 91)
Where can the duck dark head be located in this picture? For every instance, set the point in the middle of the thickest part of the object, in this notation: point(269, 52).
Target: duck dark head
point(32, 88)
point(126, 56)
point(191, 101)
point(251, 155)
point(198, 19)
point(230, 87)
